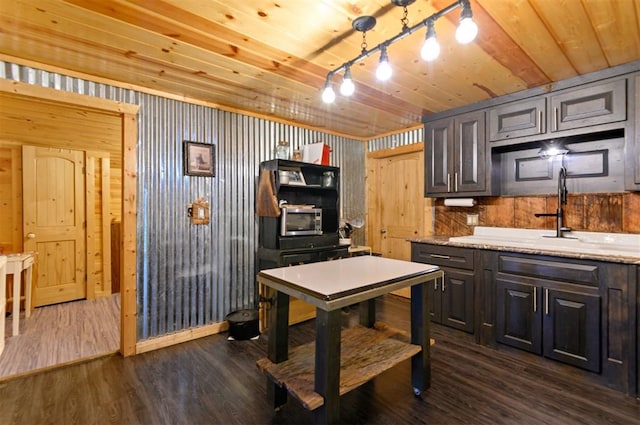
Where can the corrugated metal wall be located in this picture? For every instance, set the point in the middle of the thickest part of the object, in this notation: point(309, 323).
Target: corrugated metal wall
point(191, 275)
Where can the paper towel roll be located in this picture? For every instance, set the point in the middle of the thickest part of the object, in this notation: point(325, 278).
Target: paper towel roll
point(460, 202)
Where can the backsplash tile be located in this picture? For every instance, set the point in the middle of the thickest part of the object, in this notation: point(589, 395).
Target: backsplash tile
point(605, 212)
point(631, 213)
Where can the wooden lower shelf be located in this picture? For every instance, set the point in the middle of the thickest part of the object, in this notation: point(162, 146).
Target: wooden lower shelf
point(364, 354)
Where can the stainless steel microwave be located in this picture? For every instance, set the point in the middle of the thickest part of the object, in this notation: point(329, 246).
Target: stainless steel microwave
point(300, 221)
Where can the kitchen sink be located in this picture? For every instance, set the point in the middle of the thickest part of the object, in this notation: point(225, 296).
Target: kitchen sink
point(614, 244)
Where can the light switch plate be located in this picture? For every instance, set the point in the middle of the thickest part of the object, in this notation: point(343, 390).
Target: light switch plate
point(472, 219)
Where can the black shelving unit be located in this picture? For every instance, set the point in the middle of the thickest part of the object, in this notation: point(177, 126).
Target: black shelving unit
point(275, 250)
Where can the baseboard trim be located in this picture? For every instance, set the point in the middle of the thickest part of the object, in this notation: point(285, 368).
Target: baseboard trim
point(180, 337)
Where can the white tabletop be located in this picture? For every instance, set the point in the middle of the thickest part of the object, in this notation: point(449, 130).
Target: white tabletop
point(331, 280)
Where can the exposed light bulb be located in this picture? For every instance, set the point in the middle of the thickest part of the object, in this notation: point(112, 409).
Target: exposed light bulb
point(347, 87)
point(328, 95)
point(467, 29)
point(384, 71)
point(431, 48)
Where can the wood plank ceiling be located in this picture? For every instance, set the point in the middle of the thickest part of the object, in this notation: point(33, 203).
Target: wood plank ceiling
point(271, 57)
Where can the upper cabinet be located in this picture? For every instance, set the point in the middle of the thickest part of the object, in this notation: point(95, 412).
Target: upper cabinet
point(455, 157)
point(585, 106)
point(518, 119)
point(594, 105)
point(483, 149)
point(634, 159)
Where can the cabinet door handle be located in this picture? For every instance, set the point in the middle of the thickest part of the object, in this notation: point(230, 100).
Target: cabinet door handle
point(448, 182)
point(539, 121)
point(435, 284)
point(546, 301)
point(555, 119)
point(455, 180)
point(444, 257)
point(442, 283)
point(535, 299)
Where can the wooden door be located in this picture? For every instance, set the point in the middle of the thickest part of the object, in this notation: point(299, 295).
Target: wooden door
point(397, 209)
point(54, 222)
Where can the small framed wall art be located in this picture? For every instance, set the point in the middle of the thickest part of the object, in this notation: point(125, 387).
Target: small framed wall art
point(199, 159)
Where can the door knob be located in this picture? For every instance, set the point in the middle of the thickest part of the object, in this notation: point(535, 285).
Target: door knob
point(383, 230)
point(31, 235)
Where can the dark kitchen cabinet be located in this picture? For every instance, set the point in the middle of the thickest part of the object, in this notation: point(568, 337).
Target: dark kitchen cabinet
point(455, 157)
point(549, 307)
point(299, 311)
point(451, 298)
point(632, 177)
point(276, 250)
point(518, 119)
point(518, 319)
point(583, 106)
point(574, 310)
point(637, 331)
point(561, 325)
point(571, 328)
point(587, 106)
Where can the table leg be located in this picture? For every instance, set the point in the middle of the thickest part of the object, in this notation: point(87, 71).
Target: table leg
point(16, 303)
point(278, 349)
point(420, 335)
point(327, 367)
point(367, 310)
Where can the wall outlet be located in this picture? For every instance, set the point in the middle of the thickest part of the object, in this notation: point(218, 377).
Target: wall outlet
point(472, 219)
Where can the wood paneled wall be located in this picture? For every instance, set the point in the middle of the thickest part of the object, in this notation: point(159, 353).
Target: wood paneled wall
point(48, 124)
point(10, 197)
point(606, 212)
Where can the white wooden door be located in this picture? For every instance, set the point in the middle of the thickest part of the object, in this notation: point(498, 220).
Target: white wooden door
point(54, 222)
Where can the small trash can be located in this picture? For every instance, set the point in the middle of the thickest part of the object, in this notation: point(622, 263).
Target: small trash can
point(243, 324)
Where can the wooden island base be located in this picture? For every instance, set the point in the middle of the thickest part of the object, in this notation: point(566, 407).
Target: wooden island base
point(364, 354)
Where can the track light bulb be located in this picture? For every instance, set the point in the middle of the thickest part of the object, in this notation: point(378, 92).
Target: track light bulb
point(347, 87)
point(328, 95)
point(467, 29)
point(431, 48)
point(384, 71)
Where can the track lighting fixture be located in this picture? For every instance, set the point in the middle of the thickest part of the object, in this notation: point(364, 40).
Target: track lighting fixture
point(465, 33)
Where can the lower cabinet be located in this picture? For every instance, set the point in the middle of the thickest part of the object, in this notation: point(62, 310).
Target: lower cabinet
point(299, 311)
point(562, 324)
point(577, 311)
point(451, 299)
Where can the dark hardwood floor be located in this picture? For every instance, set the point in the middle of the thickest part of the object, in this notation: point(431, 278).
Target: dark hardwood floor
point(215, 381)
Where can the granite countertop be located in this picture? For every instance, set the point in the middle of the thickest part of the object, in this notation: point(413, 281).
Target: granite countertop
point(625, 257)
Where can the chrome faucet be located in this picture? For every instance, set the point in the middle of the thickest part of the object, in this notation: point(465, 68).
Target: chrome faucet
point(562, 200)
